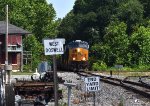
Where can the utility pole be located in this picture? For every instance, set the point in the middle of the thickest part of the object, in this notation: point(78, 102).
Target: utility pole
point(6, 37)
point(8, 68)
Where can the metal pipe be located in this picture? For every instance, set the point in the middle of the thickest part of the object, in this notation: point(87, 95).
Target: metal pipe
point(69, 94)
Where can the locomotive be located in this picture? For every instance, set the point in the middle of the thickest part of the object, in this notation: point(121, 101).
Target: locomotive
point(75, 57)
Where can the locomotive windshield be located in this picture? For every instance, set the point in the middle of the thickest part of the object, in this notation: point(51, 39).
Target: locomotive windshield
point(78, 43)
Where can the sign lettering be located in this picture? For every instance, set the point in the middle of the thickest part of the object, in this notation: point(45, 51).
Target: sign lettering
point(53, 43)
point(53, 46)
point(92, 84)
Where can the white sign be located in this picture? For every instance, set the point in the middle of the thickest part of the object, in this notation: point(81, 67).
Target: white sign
point(53, 46)
point(92, 84)
point(118, 66)
point(69, 83)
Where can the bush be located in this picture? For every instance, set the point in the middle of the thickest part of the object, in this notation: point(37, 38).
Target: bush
point(99, 65)
point(26, 68)
point(142, 68)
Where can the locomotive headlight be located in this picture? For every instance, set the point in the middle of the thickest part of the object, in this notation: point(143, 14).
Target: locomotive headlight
point(78, 50)
point(74, 58)
point(83, 58)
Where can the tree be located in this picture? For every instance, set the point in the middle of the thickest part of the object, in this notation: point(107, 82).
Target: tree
point(34, 15)
point(66, 28)
point(117, 41)
point(146, 5)
point(87, 15)
point(140, 46)
point(131, 12)
point(30, 43)
point(107, 25)
point(99, 52)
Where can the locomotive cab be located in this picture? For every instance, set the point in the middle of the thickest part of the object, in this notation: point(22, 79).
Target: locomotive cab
point(75, 57)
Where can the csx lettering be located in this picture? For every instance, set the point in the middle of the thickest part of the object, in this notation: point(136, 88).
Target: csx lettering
point(53, 43)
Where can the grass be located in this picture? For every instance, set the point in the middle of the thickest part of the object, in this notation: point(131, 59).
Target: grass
point(114, 72)
point(22, 73)
point(127, 73)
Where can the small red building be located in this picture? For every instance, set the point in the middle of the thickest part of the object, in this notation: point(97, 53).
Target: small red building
point(15, 47)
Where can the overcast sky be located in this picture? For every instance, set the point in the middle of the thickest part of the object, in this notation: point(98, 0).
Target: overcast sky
point(62, 7)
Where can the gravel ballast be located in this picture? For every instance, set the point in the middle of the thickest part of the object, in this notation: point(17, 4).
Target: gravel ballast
point(108, 95)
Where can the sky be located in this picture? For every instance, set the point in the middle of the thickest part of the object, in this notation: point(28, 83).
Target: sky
point(62, 7)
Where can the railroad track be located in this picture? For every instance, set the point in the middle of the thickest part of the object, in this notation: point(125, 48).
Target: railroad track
point(136, 87)
point(146, 83)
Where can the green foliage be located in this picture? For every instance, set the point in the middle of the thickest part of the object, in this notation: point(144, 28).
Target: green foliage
point(66, 30)
point(27, 68)
point(99, 52)
point(111, 28)
point(142, 67)
point(30, 43)
point(131, 12)
point(99, 65)
point(115, 29)
point(86, 16)
point(117, 41)
point(146, 5)
point(140, 46)
point(34, 15)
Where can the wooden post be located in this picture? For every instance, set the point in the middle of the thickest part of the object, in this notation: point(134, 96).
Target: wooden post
point(94, 98)
point(55, 80)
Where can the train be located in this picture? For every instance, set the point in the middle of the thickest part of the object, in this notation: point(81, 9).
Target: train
point(75, 57)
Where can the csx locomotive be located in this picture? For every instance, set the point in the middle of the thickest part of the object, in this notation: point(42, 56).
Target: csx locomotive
point(75, 57)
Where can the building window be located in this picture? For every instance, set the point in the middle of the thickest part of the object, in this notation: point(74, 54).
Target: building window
point(27, 57)
point(12, 59)
point(3, 58)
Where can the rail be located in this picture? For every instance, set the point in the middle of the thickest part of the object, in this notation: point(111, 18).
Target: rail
point(136, 87)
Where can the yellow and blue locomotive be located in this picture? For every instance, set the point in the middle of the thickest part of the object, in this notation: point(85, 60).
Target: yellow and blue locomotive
point(75, 57)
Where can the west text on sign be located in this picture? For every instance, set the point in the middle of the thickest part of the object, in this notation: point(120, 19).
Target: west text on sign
point(92, 83)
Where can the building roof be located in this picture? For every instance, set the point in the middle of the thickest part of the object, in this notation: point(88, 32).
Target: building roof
point(12, 29)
